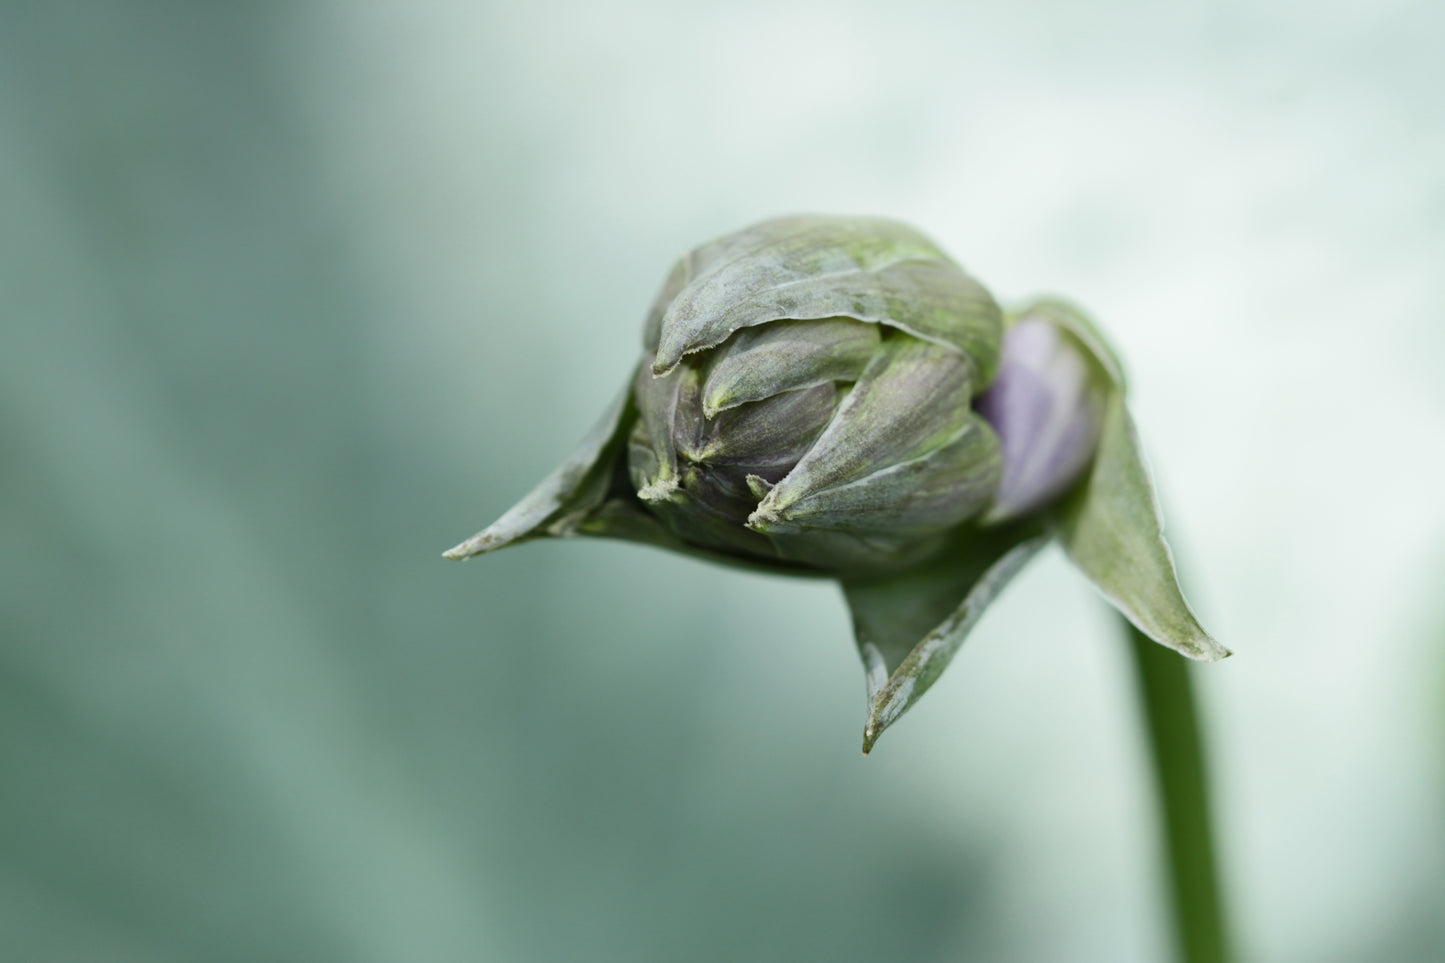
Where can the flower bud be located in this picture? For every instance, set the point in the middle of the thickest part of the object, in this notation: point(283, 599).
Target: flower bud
point(835, 397)
point(807, 396)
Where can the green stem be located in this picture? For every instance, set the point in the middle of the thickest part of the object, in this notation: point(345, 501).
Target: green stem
point(1178, 755)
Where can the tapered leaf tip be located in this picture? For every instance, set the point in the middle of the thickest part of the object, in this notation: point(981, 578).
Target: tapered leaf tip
point(884, 708)
point(871, 732)
point(467, 549)
point(1197, 645)
point(1210, 651)
point(479, 544)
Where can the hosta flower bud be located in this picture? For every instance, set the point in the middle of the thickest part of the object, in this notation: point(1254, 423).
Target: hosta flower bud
point(836, 397)
point(806, 396)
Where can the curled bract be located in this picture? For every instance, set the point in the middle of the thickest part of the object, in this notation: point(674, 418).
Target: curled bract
point(805, 396)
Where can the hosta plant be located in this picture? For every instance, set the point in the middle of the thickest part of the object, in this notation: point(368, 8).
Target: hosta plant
point(835, 397)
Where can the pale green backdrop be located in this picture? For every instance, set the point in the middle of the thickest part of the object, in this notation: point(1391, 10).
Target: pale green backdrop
point(293, 297)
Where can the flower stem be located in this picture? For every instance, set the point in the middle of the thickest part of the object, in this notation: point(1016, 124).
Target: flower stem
point(1178, 755)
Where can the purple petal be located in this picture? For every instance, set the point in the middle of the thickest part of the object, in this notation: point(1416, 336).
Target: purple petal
point(1046, 408)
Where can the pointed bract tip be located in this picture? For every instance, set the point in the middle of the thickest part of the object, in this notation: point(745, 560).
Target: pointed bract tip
point(870, 735)
point(1212, 652)
point(763, 519)
point(719, 399)
point(472, 547)
point(1199, 648)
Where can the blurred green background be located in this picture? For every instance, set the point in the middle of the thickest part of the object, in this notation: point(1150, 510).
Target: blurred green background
point(297, 296)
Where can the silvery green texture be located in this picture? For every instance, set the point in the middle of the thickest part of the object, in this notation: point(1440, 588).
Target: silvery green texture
point(805, 395)
point(805, 405)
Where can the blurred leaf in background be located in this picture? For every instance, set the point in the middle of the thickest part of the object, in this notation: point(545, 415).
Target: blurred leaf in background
point(275, 277)
point(245, 712)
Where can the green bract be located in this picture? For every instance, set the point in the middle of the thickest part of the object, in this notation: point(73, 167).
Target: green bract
point(835, 397)
point(805, 396)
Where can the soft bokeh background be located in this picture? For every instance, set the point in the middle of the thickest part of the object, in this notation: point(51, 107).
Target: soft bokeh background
point(296, 296)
